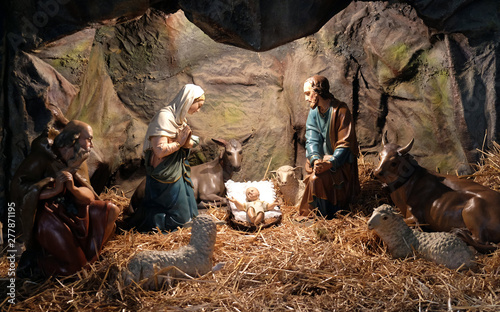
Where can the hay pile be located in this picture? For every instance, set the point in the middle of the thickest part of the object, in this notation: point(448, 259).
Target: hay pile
point(488, 170)
point(334, 265)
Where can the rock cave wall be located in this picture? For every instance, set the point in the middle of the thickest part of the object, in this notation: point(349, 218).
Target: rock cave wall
point(426, 71)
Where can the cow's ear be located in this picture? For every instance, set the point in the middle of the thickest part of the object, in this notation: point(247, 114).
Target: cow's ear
point(407, 148)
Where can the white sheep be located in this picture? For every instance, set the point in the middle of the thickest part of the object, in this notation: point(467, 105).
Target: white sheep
point(152, 268)
point(402, 241)
point(290, 184)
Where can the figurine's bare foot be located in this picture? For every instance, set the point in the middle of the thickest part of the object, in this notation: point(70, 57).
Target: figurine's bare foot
point(259, 218)
point(299, 218)
point(252, 220)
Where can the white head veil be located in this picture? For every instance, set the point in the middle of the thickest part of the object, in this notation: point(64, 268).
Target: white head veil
point(170, 118)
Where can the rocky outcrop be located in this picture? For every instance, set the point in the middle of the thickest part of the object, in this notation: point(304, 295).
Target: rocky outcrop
point(470, 30)
point(249, 24)
point(260, 25)
point(427, 71)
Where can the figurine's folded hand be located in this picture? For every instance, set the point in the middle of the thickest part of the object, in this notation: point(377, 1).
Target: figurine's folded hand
point(184, 134)
point(321, 166)
point(66, 178)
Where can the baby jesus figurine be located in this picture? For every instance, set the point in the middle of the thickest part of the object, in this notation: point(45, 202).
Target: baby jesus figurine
point(254, 207)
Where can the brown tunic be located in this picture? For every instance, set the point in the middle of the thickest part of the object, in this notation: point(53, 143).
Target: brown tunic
point(341, 186)
point(64, 236)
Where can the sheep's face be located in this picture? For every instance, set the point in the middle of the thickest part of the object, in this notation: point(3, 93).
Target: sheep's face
point(288, 174)
point(381, 217)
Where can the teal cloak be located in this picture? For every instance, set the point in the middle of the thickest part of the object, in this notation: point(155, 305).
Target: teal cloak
point(169, 200)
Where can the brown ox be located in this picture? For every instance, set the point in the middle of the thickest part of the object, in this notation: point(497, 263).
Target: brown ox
point(208, 178)
point(441, 203)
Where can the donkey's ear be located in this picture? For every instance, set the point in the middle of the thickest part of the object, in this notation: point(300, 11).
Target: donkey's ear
point(246, 138)
point(220, 142)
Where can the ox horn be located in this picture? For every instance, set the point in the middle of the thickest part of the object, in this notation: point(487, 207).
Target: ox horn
point(407, 148)
point(384, 138)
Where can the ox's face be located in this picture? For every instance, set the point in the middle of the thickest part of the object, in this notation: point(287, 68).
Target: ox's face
point(387, 170)
point(395, 163)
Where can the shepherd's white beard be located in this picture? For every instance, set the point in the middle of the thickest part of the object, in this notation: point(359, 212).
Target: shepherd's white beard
point(78, 158)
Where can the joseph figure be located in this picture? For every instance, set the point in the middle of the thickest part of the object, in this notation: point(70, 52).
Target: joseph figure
point(331, 153)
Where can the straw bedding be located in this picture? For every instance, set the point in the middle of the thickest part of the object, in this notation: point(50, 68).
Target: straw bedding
point(334, 265)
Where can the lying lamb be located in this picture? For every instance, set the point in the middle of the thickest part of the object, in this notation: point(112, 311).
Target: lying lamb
point(290, 184)
point(152, 268)
point(402, 241)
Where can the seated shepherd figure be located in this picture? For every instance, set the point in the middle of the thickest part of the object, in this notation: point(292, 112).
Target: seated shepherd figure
point(64, 226)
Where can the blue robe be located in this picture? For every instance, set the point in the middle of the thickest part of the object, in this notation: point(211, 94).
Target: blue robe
point(333, 134)
point(169, 200)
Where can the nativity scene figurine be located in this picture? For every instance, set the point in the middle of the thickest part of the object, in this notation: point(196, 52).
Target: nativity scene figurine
point(64, 225)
